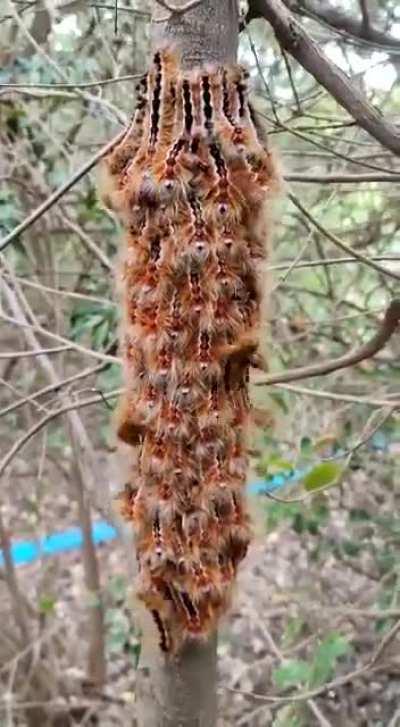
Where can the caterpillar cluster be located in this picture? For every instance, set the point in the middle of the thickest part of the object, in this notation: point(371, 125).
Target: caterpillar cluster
point(191, 181)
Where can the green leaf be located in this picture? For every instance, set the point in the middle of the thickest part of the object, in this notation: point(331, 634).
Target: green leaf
point(325, 657)
point(351, 548)
point(306, 447)
point(294, 628)
point(324, 474)
point(277, 512)
point(271, 464)
point(100, 334)
point(291, 673)
point(47, 604)
point(359, 515)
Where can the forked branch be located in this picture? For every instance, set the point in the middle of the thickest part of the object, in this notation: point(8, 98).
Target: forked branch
point(386, 330)
point(295, 39)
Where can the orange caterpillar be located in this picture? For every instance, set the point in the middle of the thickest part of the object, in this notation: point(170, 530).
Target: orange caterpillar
point(191, 181)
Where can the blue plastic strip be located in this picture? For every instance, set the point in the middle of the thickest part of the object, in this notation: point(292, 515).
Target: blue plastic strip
point(27, 551)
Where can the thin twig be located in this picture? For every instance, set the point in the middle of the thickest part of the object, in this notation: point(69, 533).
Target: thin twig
point(20, 443)
point(366, 436)
point(60, 192)
point(368, 350)
point(291, 80)
point(339, 243)
point(395, 721)
point(39, 329)
point(341, 178)
point(52, 63)
point(88, 84)
point(365, 14)
point(88, 242)
point(33, 354)
point(60, 291)
point(322, 721)
point(334, 396)
point(330, 261)
point(53, 387)
point(330, 686)
point(295, 39)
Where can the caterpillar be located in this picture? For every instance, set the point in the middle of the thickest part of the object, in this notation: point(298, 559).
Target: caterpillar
point(192, 182)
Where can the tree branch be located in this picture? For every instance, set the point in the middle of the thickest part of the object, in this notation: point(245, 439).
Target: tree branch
point(341, 178)
point(368, 350)
point(295, 39)
point(330, 686)
point(339, 20)
point(60, 192)
point(366, 23)
point(337, 241)
point(335, 396)
point(72, 406)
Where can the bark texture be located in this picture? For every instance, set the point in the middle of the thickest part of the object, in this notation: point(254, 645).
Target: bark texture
point(207, 33)
point(180, 690)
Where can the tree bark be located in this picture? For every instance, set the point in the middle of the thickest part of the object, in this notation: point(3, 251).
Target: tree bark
point(176, 691)
point(208, 33)
point(181, 691)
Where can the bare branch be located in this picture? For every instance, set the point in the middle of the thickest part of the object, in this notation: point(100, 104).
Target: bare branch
point(39, 329)
point(330, 261)
point(295, 39)
point(330, 686)
point(88, 242)
point(365, 16)
point(53, 387)
point(33, 354)
point(322, 721)
point(88, 84)
point(337, 241)
point(17, 446)
point(60, 291)
point(341, 178)
point(350, 27)
point(60, 192)
point(368, 350)
point(335, 396)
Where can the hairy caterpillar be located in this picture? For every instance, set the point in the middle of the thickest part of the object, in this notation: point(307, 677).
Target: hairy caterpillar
point(192, 182)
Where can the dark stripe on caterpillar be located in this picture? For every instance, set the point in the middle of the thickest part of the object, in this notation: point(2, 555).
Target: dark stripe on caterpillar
point(187, 105)
point(189, 606)
point(225, 100)
point(156, 101)
point(219, 160)
point(164, 641)
point(207, 103)
point(241, 89)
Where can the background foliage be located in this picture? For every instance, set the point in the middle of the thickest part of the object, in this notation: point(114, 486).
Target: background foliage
point(321, 588)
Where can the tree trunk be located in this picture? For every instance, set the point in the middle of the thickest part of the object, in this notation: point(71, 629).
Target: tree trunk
point(177, 691)
point(181, 691)
point(209, 33)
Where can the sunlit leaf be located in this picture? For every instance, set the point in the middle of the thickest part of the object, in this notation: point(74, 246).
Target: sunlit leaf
point(324, 474)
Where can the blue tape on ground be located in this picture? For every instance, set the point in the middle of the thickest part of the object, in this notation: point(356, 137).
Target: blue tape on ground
point(27, 551)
